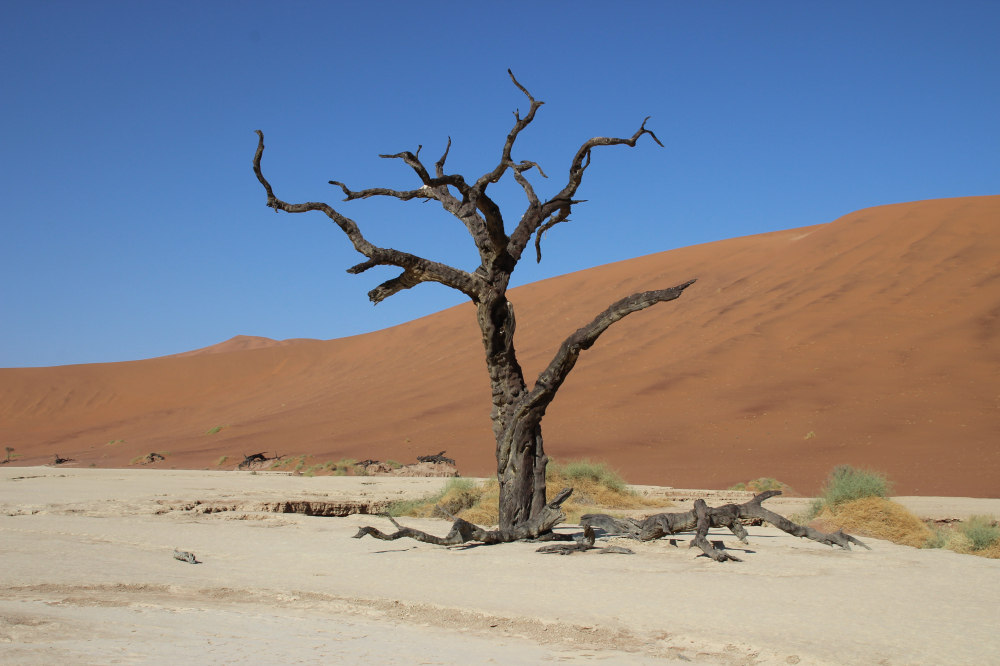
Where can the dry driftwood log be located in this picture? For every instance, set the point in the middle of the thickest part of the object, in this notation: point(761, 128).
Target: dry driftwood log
point(439, 458)
point(703, 517)
point(255, 459)
point(185, 556)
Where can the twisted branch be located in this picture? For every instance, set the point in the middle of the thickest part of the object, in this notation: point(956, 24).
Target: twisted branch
point(536, 215)
point(415, 269)
point(555, 374)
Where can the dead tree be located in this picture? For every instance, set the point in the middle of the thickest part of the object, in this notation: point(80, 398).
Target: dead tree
point(255, 460)
point(517, 410)
point(699, 520)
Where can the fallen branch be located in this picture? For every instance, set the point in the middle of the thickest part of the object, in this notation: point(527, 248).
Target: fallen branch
point(185, 556)
point(584, 545)
point(702, 517)
point(256, 459)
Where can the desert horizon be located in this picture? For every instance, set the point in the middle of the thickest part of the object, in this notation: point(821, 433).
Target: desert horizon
point(870, 340)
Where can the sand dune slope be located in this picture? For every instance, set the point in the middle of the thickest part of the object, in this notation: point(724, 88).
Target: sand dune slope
point(871, 340)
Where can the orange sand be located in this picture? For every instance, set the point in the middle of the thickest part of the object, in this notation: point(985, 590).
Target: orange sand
point(877, 333)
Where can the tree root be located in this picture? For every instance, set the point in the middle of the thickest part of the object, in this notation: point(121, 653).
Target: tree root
point(585, 545)
point(462, 531)
point(702, 517)
point(699, 520)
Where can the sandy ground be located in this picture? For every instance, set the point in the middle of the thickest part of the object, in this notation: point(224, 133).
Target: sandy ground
point(873, 340)
point(89, 578)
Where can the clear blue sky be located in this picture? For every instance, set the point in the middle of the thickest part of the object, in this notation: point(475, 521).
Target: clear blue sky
point(133, 226)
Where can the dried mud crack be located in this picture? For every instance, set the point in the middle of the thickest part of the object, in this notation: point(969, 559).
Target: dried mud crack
point(306, 507)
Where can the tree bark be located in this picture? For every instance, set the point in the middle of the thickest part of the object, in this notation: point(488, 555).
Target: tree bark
point(462, 531)
point(702, 517)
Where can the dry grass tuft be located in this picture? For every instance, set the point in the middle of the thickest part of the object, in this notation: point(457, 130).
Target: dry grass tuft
point(879, 518)
point(979, 535)
point(595, 487)
point(762, 485)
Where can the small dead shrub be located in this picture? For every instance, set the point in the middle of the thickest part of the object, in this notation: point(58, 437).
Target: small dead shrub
point(880, 518)
point(762, 485)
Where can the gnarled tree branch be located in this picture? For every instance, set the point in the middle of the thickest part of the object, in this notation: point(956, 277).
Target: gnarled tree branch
point(415, 269)
point(555, 374)
point(535, 217)
point(563, 216)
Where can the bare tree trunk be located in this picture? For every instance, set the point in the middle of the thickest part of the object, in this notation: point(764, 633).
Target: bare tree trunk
point(520, 455)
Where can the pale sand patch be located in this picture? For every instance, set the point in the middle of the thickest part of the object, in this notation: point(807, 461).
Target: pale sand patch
point(88, 577)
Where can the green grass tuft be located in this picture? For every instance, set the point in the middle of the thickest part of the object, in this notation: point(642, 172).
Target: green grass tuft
point(216, 429)
point(456, 495)
point(585, 470)
point(981, 531)
point(846, 484)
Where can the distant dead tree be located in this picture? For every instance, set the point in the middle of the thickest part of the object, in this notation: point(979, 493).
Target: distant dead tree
point(517, 410)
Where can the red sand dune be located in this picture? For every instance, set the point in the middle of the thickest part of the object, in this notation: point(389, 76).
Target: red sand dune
point(241, 343)
point(871, 340)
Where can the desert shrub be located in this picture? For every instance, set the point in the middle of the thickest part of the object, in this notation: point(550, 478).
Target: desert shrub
point(975, 536)
point(880, 518)
point(762, 485)
point(487, 510)
point(846, 484)
point(981, 531)
point(216, 429)
point(938, 538)
point(455, 496)
point(595, 487)
point(221, 461)
point(585, 472)
point(393, 464)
